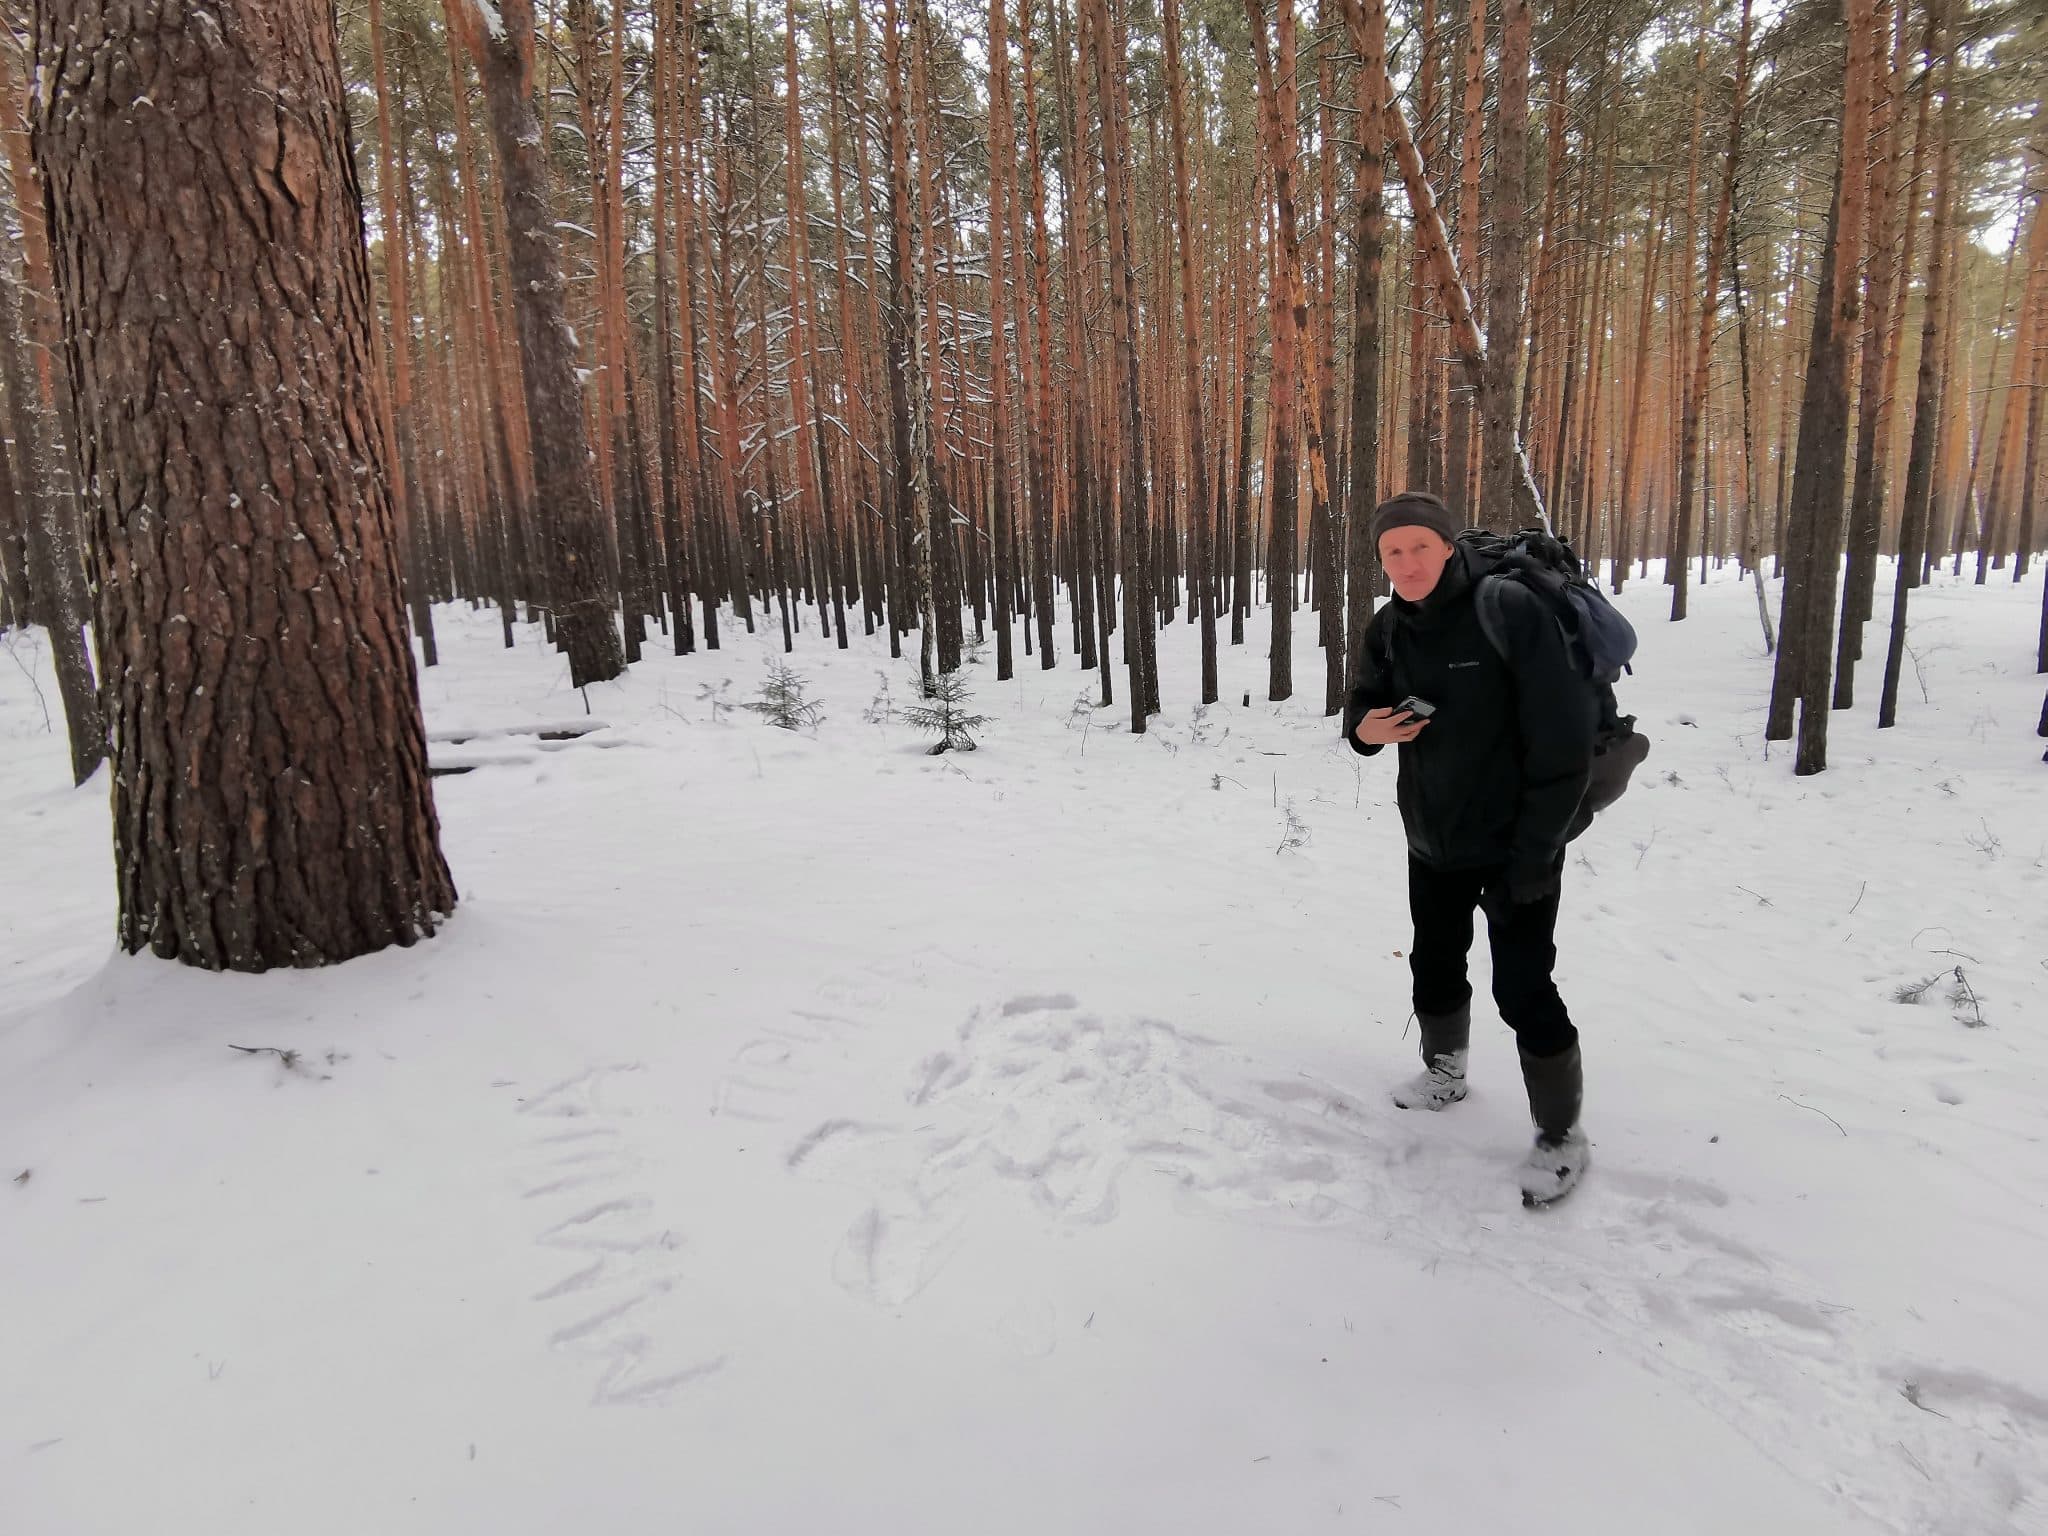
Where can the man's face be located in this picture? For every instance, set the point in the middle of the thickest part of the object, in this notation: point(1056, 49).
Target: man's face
point(1414, 559)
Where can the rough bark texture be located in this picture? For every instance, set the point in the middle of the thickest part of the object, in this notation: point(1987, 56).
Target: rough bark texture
point(271, 800)
point(578, 584)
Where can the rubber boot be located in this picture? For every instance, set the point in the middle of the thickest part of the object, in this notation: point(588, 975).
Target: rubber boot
point(1556, 1086)
point(1446, 1038)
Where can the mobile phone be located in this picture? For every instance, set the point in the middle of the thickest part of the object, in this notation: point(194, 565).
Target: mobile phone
point(1421, 709)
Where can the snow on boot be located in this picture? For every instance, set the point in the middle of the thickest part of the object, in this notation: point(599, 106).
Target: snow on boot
point(1556, 1087)
point(1553, 1167)
point(1445, 1037)
point(1441, 1084)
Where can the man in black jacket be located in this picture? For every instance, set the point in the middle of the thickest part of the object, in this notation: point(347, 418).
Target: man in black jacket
point(1495, 751)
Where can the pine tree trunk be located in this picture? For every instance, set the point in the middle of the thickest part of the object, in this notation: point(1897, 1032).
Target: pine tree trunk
point(1828, 398)
point(1504, 269)
point(1458, 438)
point(1369, 193)
point(271, 799)
point(53, 559)
point(577, 565)
point(14, 606)
point(929, 403)
point(1039, 363)
point(405, 478)
point(1703, 351)
point(1421, 364)
point(1132, 485)
point(1890, 263)
point(1199, 508)
point(2030, 480)
point(2011, 436)
point(678, 485)
point(1278, 113)
point(1464, 331)
point(1002, 150)
point(1920, 455)
point(1632, 434)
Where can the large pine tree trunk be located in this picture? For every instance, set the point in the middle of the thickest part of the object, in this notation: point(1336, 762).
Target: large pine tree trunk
point(271, 799)
point(578, 583)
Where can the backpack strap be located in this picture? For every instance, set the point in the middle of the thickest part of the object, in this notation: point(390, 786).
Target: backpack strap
point(1486, 603)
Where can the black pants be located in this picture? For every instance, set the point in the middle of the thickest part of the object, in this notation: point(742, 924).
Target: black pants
point(1523, 939)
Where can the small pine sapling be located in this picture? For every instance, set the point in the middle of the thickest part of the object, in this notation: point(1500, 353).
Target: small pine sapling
point(782, 702)
point(947, 711)
point(714, 694)
point(882, 707)
point(1295, 834)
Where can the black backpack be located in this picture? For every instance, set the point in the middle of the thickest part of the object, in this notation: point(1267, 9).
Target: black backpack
point(1601, 641)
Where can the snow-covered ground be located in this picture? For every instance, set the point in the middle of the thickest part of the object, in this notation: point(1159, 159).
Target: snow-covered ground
point(797, 1133)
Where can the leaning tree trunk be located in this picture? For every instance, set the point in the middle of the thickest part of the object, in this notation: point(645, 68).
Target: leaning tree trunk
point(501, 42)
point(1458, 445)
point(1504, 270)
point(271, 799)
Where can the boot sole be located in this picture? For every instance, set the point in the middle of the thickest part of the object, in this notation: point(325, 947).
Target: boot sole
point(1427, 1107)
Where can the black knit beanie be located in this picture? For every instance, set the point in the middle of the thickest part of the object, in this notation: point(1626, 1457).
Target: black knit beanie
point(1413, 509)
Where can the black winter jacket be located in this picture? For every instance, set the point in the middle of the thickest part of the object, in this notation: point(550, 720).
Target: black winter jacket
point(1496, 777)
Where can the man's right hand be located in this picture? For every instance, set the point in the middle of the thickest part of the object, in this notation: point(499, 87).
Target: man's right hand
point(1387, 727)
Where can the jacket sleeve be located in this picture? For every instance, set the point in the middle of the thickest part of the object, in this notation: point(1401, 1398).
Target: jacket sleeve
point(1555, 713)
point(1371, 687)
